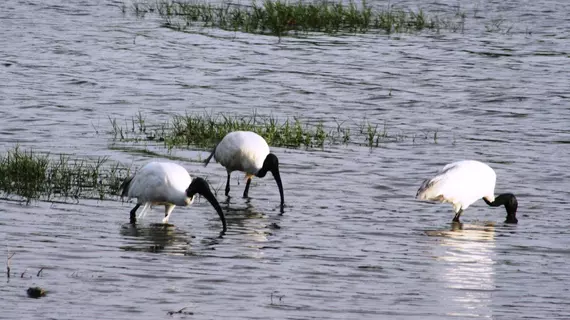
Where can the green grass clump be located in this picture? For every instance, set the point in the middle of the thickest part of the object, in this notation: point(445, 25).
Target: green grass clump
point(280, 18)
point(33, 175)
point(206, 130)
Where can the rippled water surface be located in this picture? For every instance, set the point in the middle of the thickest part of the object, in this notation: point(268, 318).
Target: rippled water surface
point(353, 243)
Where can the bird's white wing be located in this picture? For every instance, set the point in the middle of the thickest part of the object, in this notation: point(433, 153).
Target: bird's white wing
point(459, 182)
point(177, 177)
point(438, 187)
point(159, 182)
point(243, 151)
point(146, 187)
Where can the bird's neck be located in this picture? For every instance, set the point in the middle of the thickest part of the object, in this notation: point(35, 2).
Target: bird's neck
point(261, 173)
point(500, 200)
point(491, 203)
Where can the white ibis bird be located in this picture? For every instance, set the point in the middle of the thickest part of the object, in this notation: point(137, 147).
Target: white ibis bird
point(248, 152)
point(168, 184)
point(462, 183)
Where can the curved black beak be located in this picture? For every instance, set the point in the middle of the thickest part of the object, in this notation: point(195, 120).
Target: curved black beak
point(511, 219)
point(201, 187)
point(511, 214)
point(271, 163)
point(511, 205)
point(277, 177)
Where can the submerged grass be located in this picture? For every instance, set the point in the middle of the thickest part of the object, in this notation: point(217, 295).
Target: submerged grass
point(281, 18)
point(206, 130)
point(33, 175)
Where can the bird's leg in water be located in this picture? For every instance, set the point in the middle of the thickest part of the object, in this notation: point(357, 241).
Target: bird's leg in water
point(167, 211)
point(133, 213)
point(246, 191)
point(457, 215)
point(228, 185)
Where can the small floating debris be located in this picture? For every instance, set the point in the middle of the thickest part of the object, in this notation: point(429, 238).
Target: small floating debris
point(274, 226)
point(371, 268)
point(36, 292)
point(181, 311)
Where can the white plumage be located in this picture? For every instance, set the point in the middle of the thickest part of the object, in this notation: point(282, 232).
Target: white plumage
point(462, 183)
point(168, 184)
point(160, 183)
point(247, 152)
point(242, 151)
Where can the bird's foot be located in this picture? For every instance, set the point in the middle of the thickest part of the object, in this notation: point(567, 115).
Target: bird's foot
point(456, 226)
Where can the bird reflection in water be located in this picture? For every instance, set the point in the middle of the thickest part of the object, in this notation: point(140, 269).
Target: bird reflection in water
point(156, 238)
point(465, 264)
point(253, 227)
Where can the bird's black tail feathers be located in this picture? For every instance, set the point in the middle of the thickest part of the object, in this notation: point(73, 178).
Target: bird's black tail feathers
point(125, 186)
point(210, 157)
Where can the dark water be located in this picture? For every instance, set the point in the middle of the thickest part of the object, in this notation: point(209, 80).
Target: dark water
point(353, 243)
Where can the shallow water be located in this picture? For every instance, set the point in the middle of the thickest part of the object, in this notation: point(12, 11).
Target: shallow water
point(353, 243)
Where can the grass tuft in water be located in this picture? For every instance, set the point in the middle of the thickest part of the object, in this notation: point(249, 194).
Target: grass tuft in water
point(205, 130)
point(281, 18)
point(33, 175)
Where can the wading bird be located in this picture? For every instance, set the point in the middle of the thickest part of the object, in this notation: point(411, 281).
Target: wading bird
point(464, 182)
point(247, 152)
point(168, 184)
